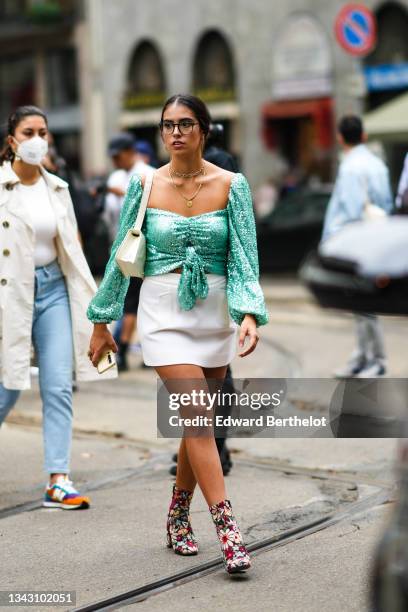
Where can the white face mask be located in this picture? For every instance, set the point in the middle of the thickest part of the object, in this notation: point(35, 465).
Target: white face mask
point(33, 150)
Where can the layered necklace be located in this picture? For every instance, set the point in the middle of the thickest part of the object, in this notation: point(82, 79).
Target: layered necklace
point(173, 173)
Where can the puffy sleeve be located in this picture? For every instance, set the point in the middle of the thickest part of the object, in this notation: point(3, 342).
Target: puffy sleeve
point(107, 304)
point(243, 289)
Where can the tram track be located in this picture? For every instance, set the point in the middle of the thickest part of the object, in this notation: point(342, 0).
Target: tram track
point(315, 473)
point(377, 492)
point(257, 547)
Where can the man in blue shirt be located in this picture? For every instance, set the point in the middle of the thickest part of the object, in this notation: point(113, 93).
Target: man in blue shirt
point(362, 177)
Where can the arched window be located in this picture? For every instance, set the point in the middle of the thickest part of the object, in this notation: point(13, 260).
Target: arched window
point(392, 45)
point(213, 69)
point(145, 86)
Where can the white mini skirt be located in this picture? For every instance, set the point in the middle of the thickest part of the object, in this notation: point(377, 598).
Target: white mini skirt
point(204, 336)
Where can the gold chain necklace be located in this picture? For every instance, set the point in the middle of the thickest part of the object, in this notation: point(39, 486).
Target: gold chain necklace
point(186, 174)
point(188, 201)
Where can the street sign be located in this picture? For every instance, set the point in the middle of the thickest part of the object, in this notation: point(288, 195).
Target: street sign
point(387, 76)
point(356, 29)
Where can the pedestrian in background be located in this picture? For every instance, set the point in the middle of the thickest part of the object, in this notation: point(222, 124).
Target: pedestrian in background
point(362, 177)
point(200, 283)
point(45, 284)
point(146, 152)
point(127, 161)
point(214, 151)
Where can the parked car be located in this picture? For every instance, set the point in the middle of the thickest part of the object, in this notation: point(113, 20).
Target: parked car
point(292, 229)
point(362, 268)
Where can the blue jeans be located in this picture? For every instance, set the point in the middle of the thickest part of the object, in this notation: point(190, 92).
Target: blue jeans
point(52, 339)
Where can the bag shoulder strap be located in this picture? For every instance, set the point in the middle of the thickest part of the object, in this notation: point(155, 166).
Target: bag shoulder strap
point(145, 198)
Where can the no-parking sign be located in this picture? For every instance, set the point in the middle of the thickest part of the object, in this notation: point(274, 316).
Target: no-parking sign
point(356, 29)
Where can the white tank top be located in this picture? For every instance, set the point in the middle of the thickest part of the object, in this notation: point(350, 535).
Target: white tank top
point(41, 215)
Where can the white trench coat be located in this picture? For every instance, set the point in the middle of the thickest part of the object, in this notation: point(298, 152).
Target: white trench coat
point(17, 239)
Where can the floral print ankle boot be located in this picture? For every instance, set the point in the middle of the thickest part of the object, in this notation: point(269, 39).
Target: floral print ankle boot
point(236, 557)
point(180, 535)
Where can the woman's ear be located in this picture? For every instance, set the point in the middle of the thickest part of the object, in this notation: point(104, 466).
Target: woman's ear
point(11, 143)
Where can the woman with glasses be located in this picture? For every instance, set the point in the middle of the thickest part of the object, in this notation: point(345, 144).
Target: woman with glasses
point(200, 296)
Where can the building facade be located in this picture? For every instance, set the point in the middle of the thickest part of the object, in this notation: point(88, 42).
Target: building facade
point(272, 73)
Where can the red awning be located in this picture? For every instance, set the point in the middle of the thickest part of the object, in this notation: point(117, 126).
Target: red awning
point(321, 110)
point(296, 108)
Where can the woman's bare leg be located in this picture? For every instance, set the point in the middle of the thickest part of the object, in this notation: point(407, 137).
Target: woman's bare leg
point(185, 478)
point(198, 459)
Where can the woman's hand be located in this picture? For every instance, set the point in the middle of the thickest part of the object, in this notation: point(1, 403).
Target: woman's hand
point(101, 342)
point(248, 328)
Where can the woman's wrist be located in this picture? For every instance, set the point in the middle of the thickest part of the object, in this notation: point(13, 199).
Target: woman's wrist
point(100, 327)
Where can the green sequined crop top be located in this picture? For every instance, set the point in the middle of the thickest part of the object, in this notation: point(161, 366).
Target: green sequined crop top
point(217, 242)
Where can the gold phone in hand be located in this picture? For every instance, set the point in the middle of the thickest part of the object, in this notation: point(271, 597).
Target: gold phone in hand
point(106, 361)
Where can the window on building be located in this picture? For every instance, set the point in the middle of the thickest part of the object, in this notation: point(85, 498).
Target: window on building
point(145, 81)
point(213, 70)
point(392, 46)
point(61, 77)
point(17, 83)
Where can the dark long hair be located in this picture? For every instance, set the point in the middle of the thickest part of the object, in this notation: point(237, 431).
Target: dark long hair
point(7, 153)
point(196, 105)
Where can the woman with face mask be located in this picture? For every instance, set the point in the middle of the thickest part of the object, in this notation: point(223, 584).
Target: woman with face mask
point(45, 285)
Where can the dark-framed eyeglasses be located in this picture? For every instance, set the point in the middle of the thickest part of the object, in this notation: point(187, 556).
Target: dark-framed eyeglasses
point(185, 126)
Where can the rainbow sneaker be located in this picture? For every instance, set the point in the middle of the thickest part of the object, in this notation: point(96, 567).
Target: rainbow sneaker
point(62, 494)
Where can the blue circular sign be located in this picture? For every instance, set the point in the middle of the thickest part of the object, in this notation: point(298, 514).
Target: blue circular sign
point(356, 29)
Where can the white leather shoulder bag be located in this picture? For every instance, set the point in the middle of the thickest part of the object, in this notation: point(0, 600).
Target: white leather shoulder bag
point(131, 255)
